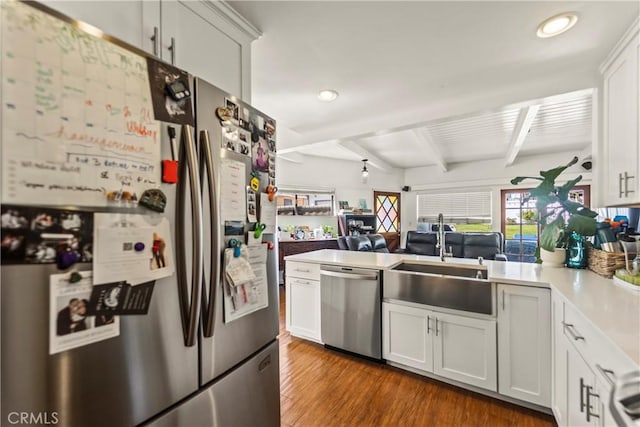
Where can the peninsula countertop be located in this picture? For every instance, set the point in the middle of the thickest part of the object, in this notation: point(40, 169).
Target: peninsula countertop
point(615, 311)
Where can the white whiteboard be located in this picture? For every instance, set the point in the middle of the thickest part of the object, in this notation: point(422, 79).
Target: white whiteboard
point(77, 119)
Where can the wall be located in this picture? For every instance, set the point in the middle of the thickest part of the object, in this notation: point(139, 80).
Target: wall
point(341, 175)
point(490, 175)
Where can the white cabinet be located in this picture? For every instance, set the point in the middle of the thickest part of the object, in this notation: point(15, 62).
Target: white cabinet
point(465, 350)
point(621, 117)
point(585, 365)
point(559, 362)
point(302, 316)
point(582, 407)
point(524, 343)
point(406, 336)
point(210, 40)
point(455, 347)
point(132, 21)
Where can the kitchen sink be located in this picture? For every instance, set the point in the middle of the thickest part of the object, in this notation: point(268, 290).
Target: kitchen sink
point(474, 272)
point(463, 288)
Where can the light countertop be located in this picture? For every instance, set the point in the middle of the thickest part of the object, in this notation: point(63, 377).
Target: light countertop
point(615, 311)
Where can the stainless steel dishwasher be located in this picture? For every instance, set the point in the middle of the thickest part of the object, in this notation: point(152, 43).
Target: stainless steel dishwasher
point(351, 310)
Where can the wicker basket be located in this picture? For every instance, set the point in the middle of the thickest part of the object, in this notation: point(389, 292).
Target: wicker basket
point(605, 263)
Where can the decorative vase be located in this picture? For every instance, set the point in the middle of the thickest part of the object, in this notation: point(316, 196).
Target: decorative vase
point(556, 258)
point(576, 254)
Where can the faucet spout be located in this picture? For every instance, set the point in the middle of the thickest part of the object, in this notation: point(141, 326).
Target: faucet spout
point(441, 236)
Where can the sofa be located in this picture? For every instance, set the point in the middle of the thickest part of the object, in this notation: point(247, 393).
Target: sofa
point(462, 245)
point(363, 243)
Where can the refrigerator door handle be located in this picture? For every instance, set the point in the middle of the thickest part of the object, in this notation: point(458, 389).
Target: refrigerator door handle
point(189, 308)
point(206, 167)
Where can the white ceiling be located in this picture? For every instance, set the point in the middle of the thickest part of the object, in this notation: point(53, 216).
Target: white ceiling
point(426, 82)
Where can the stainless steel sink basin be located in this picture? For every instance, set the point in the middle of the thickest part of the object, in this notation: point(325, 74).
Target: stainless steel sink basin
point(472, 272)
point(449, 286)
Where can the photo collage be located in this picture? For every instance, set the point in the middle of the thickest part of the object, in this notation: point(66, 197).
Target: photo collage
point(45, 236)
point(250, 134)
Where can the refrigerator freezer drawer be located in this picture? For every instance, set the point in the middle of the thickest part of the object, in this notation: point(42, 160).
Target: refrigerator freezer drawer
point(247, 396)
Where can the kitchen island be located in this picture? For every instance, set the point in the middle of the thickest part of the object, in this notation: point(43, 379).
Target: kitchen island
point(563, 315)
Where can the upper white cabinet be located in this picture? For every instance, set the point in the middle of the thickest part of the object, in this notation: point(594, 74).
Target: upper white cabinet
point(621, 118)
point(524, 343)
point(131, 21)
point(208, 39)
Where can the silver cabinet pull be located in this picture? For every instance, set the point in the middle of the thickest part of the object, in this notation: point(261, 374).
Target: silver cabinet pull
point(620, 178)
point(571, 329)
point(428, 325)
point(503, 300)
point(301, 270)
point(207, 171)
point(608, 374)
point(172, 49)
point(155, 39)
point(436, 326)
point(626, 184)
point(582, 402)
point(588, 407)
point(303, 282)
point(189, 307)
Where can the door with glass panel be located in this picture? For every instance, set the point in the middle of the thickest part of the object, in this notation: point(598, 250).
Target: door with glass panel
point(387, 208)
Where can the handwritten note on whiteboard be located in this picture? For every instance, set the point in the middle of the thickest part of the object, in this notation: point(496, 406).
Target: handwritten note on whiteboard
point(77, 119)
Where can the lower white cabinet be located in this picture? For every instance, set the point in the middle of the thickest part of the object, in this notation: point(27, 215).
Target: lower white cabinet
point(465, 350)
point(303, 308)
point(582, 405)
point(456, 347)
point(524, 343)
point(406, 336)
point(585, 366)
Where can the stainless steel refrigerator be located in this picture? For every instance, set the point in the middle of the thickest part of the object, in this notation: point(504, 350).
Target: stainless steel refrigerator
point(179, 365)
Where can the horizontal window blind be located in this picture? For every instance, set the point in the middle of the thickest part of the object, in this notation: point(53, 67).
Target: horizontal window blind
point(458, 208)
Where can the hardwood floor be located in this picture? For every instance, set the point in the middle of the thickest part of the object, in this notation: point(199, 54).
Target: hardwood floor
point(319, 387)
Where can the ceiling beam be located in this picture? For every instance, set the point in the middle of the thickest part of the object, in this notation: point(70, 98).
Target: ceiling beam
point(426, 141)
point(291, 157)
point(364, 154)
point(523, 125)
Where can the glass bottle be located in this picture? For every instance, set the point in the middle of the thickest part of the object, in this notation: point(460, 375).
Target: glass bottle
point(576, 251)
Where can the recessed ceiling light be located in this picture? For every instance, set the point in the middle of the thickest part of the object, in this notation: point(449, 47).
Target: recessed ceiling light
point(557, 24)
point(327, 95)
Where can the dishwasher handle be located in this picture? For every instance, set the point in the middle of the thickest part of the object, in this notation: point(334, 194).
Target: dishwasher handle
point(352, 276)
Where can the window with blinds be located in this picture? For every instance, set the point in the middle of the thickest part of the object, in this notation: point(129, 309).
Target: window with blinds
point(457, 208)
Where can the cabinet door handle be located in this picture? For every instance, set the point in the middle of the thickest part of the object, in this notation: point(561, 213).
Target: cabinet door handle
point(436, 326)
point(428, 325)
point(582, 403)
point(608, 374)
point(571, 329)
point(302, 282)
point(172, 49)
point(155, 39)
point(301, 270)
point(503, 300)
point(588, 404)
point(620, 178)
point(626, 184)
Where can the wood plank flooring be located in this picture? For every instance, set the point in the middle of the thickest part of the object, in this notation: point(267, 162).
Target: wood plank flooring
point(320, 387)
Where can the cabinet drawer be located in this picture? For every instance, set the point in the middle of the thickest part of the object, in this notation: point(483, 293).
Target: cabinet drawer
point(303, 270)
point(592, 345)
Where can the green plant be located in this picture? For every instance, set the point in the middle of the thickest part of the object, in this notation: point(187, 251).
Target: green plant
point(558, 216)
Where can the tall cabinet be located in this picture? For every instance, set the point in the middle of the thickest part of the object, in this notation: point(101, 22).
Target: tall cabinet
point(209, 39)
point(620, 146)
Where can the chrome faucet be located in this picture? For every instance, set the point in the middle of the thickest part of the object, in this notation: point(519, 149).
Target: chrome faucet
point(440, 243)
